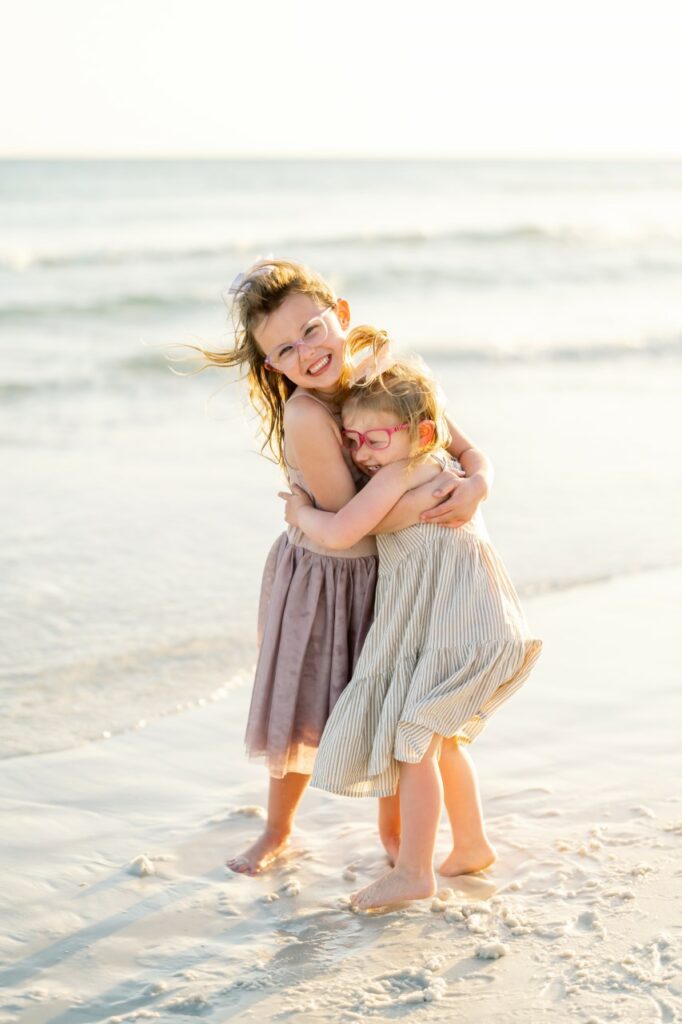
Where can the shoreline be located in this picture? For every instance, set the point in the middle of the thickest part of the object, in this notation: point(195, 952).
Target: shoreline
point(574, 921)
point(240, 679)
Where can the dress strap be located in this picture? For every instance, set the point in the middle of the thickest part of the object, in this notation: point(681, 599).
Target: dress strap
point(444, 459)
point(302, 393)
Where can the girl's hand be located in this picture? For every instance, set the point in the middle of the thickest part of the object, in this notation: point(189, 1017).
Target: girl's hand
point(465, 495)
point(294, 503)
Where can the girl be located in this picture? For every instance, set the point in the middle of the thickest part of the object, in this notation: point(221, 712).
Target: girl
point(316, 603)
point(448, 645)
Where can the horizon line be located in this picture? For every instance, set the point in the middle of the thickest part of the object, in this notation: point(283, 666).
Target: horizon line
point(338, 157)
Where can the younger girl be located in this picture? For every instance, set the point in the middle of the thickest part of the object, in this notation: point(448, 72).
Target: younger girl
point(316, 603)
point(448, 645)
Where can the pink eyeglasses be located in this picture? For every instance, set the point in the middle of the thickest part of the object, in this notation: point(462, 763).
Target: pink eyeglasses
point(315, 333)
point(376, 438)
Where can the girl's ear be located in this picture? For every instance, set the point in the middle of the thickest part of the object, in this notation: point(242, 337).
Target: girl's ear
point(342, 310)
point(427, 432)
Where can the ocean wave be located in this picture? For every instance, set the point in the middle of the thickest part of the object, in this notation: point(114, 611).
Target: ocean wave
point(162, 361)
point(586, 352)
point(22, 260)
point(141, 303)
point(366, 277)
point(654, 347)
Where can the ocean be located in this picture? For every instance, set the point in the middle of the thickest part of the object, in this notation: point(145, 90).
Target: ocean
point(546, 296)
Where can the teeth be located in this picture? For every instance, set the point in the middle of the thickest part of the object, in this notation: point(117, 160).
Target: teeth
point(319, 364)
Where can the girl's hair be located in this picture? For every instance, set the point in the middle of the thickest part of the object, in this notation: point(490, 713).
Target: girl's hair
point(402, 387)
point(256, 294)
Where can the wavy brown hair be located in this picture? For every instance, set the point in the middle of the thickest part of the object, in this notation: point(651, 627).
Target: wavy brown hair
point(259, 292)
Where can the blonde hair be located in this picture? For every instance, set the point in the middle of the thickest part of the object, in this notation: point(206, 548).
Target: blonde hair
point(255, 295)
point(404, 388)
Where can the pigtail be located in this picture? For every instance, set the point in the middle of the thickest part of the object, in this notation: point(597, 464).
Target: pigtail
point(366, 356)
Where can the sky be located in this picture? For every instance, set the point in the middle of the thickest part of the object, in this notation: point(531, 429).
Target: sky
point(528, 79)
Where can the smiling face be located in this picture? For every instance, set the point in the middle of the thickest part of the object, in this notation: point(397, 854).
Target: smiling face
point(316, 365)
point(370, 460)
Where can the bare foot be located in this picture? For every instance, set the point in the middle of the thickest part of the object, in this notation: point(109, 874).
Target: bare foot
point(392, 847)
point(463, 861)
point(260, 855)
point(396, 886)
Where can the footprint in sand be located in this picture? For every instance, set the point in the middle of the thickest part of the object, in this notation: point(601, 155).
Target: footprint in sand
point(473, 886)
point(399, 988)
point(225, 906)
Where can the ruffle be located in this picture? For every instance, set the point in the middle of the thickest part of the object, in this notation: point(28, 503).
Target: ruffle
point(382, 720)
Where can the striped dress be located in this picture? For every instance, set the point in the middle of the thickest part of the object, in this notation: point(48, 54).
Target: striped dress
point(448, 645)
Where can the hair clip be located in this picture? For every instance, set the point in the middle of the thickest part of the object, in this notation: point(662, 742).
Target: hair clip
point(237, 284)
point(242, 283)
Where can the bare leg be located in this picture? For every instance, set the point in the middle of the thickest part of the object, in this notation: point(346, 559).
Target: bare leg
point(421, 798)
point(472, 851)
point(283, 799)
point(389, 825)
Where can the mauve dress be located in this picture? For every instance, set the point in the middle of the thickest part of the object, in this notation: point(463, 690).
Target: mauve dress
point(315, 610)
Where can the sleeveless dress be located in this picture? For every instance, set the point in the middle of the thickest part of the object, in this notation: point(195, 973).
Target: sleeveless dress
point(314, 613)
point(449, 644)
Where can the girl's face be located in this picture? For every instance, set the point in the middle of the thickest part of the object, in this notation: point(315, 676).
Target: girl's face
point(370, 459)
point(318, 364)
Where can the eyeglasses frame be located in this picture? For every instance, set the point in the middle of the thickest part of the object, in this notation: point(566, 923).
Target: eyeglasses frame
point(300, 341)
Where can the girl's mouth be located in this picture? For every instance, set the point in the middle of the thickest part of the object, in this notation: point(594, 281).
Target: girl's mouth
point(320, 366)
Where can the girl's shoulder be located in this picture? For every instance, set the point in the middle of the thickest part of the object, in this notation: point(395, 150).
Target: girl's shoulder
point(303, 405)
point(311, 430)
point(306, 412)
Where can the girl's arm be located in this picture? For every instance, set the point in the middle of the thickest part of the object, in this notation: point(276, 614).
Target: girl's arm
point(356, 519)
point(314, 447)
point(426, 503)
point(466, 493)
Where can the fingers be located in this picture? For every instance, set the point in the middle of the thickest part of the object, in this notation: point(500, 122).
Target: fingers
point(284, 495)
point(440, 512)
point(445, 516)
point(447, 484)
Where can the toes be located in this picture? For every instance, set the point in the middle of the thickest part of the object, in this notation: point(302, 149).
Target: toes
point(358, 900)
point(361, 900)
point(239, 865)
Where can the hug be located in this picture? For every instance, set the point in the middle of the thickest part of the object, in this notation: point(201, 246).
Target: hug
point(389, 630)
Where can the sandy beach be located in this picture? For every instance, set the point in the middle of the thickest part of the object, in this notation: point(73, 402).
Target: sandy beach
point(116, 904)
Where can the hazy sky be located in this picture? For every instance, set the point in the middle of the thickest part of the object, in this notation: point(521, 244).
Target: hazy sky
point(213, 77)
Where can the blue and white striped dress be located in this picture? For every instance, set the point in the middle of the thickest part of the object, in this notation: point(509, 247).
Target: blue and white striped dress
point(448, 645)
